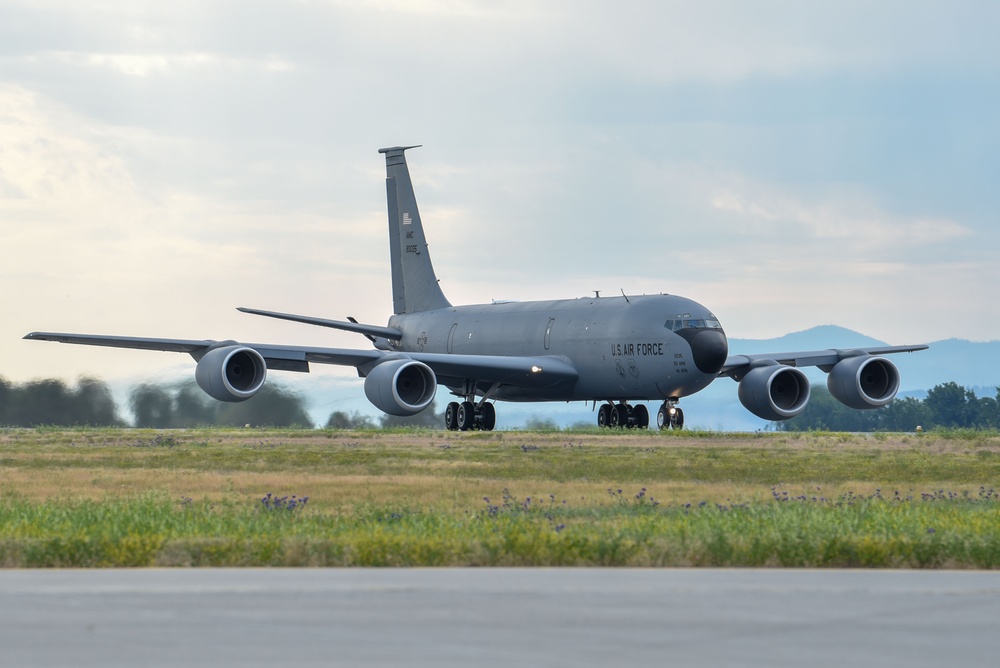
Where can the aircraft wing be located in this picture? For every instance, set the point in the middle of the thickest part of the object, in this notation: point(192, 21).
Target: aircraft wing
point(737, 365)
point(138, 343)
point(284, 358)
point(521, 371)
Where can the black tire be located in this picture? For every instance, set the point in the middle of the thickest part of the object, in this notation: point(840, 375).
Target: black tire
point(662, 418)
point(604, 416)
point(677, 422)
point(619, 416)
point(640, 415)
point(451, 416)
point(489, 417)
point(466, 416)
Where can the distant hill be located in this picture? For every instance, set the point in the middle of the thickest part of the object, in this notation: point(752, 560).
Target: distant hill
point(815, 338)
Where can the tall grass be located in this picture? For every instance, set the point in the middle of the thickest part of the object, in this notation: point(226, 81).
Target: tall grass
point(103, 497)
point(627, 529)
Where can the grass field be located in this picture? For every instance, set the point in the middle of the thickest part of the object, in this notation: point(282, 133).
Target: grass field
point(104, 497)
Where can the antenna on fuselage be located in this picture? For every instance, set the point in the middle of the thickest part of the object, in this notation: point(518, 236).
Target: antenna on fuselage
point(625, 296)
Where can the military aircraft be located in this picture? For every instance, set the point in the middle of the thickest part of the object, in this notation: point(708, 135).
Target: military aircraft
point(607, 350)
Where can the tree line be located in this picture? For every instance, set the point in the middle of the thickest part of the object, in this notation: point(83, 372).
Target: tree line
point(90, 403)
point(53, 402)
point(948, 405)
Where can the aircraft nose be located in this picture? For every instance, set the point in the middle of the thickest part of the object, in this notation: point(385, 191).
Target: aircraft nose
point(710, 349)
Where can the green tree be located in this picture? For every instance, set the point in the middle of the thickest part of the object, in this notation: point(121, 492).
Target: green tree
point(6, 396)
point(192, 407)
point(904, 415)
point(52, 402)
point(535, 423)
point(989, 411)
point(344, 420)
point(152, 406)
point(950, 405)
point(825, 413)
point(94, 405)
point(42, 402)
point(429, 417)
point(272, 406)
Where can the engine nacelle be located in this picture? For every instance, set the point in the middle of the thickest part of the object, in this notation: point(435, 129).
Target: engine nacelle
point(401, 387)
point(775, 392)
point(863, 382)
point(231, 373)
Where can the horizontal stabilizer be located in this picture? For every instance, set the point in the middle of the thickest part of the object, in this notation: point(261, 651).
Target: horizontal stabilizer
point(367, 330)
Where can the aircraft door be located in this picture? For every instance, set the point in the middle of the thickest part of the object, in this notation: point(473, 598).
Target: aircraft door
point(451, 336)
point(548, 332)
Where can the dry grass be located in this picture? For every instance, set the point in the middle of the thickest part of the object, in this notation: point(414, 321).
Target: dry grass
point(339, 469)
point(101, 497)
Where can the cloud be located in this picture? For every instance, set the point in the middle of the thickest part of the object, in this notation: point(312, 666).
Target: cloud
point(843, 217)
point(172, 64)
point(184, 158)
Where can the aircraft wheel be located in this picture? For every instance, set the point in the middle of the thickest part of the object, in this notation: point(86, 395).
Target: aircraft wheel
point(466, 415)
point(661, 417)
point(451, 416)
point(640, 415)
point(677, 420)
point(604, 416)
point(619, 416)
point(489, 417)
point(667, 418)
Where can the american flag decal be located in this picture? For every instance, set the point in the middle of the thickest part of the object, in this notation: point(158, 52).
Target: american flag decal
point(406, 218)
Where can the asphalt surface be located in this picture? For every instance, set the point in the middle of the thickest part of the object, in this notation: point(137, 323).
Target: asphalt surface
point(498, 617)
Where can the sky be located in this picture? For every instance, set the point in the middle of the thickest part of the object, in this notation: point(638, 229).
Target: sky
point(787, 164)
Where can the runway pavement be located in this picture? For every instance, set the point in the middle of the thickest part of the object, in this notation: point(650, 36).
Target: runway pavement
point(293, 618)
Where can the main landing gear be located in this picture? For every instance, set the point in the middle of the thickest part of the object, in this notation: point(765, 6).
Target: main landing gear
point(669, 416)
point(623, 415)
point(467, 416)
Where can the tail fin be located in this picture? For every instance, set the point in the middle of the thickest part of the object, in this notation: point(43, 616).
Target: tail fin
point(414, 285)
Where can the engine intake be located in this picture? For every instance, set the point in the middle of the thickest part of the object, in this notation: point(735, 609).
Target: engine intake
point(231, 373)
point(775, 392)
point(864, 382)
point(401, 387)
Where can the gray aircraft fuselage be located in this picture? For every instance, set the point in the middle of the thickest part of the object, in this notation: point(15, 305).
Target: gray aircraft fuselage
point(624, 348)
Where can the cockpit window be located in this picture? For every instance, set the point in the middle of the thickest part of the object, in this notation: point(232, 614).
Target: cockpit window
point(677, 324)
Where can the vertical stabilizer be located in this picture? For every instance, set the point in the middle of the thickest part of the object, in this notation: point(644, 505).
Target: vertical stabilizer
point(414, 285)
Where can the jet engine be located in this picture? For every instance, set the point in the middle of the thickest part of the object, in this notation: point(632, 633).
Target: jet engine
point(401, 387)
point(231, 373)
point(863, 382)
point(774, 392)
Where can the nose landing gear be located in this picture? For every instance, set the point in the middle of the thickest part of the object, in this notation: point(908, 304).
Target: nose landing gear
point(670, 416)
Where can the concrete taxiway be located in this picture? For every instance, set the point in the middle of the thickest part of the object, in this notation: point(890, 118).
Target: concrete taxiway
point(498, 617)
